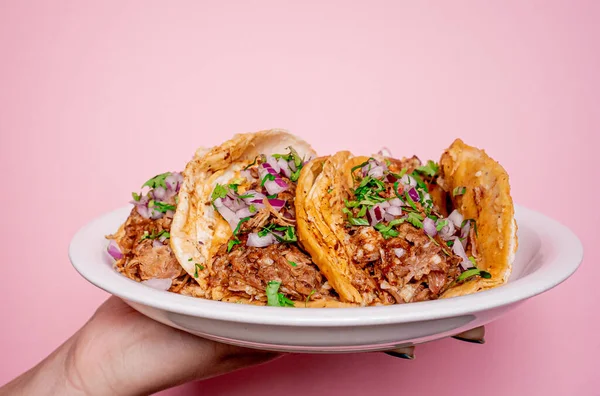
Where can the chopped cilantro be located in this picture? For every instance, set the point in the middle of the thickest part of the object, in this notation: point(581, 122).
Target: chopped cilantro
point(360, 165)
point(274, 298)
point(441, 224)
point(190, 259)
point(273, 196)
point(234, 187)
point(351, 204)
point(284, 301)
point(232, 243)
point(450, 243)
point(396, 185)
point(473, 272)
point(239, 224)
point(177, 199)
point(246, 196)
point(430, 169)
point(415, 219)
point(472, 222)
point(252, 208)
point(358, 222)
point(162, 207)
point(198, 267)
point(420, 182)
point(268, 176)
point(313, 291)
point(157, 181)
point(472, 259)
point(295, 175)
point(136, 196)
point(362, 212)
point(253, 162)
point(154, 235)
point(219, 192)
point(296, 157)
point(329, 190)
point(263, 233)
point(458, 191)
point(292, 263)
point(387, 231)
point(410, 201)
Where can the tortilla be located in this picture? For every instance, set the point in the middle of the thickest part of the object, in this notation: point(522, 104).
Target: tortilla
point(323, 229)
point(199, 231)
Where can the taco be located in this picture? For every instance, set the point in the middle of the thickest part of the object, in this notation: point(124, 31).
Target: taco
point(141, 248)
point(392, 231)
point(234, 231)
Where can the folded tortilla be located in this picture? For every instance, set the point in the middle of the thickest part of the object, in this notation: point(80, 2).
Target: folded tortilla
point(372, 264)
point(214, 247)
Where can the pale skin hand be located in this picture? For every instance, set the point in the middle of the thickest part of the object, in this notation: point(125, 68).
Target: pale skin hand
point(122, 352)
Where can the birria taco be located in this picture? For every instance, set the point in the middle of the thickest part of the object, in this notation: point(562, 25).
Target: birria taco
point(141, 246)
point(234, 231)
point(390, 231)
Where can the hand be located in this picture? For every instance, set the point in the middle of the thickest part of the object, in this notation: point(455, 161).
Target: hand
point(475, 336)
point(122, 352)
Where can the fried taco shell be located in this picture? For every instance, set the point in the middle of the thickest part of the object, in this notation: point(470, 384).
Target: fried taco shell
point(387, 231)
point(235, 231)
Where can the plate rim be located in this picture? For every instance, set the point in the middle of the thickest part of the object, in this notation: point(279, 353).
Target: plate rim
point(568, 258)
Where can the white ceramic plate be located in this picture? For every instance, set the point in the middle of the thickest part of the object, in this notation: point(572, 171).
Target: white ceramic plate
point(548, 254)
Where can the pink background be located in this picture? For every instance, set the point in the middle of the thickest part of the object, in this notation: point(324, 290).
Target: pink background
point(97, 97)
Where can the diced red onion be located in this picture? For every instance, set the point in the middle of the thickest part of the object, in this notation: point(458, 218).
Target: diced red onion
point(374, 215)
point(408, 181)
point(275, 186)
point(394, 211)
point(227, 213)
point(266, 167)
point(459, 250)
point(113, 250)
point(429, 227)
point(384, 205)
point(396, 202)
point(464, 232)
point(255, 198)
point(155, 214)
point(277, 204)
point(284, 167)
point(257, 241)
point(244, 212)
point(391, 178)
point(447, 231)
point(160, 284)
point(156, 244)
point(388, 217)
point(234, 204)
point(456, 218)
point(159, 193)
point(171, 182)
point(246, 174)
point(385, 152)
point(163, 238)
point(376, 172)
point(413, 194)
point(274, 163)
point(399, 252)
point(143, 211)
point(369, 166)
point(292, 165)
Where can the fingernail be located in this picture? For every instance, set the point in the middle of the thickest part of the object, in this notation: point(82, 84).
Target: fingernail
point(471, 340)
point(400, 355)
